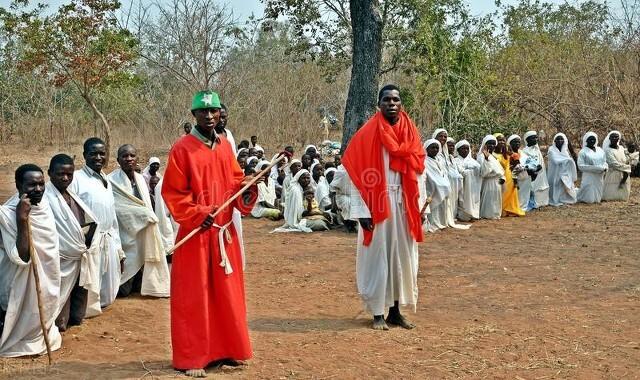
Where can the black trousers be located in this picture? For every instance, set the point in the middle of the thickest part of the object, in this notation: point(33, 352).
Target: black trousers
point(74, 308)
point(132, 286)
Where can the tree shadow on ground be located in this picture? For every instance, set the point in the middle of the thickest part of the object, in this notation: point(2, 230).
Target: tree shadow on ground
point(299, 325)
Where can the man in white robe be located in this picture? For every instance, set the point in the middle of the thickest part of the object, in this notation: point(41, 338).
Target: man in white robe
point(469, 203)
point(26, 222)
point(562, 173)
point(492, 175)
point(437, 186)
point(384, 159)
point(617, 186)
point(534, 191)
point(94, 189)
point(265, 204)
point(294, 207)
point(145, 266)
point(593, 164)
point(455, 178)
point(79, 258)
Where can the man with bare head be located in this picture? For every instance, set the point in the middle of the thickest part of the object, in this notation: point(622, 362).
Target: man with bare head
point(145, 268)
point(27, 228)
point(385, 157)
point(90, 183)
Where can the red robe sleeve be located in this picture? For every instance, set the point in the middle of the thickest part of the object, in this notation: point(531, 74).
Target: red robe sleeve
point(177, 193)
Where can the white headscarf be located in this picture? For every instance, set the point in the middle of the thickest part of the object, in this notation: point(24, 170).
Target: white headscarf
point(485, 140)
point(241, 150)
point(145, 172)
point(460, 144)
point(511, 138)
point(258, 148)
point(299, 174)
point(586, 136)
point(330, 170)
point(261, 165)
point(606, 144)
point(310, 146)
point(287, 168)
point(529, 134)
point(251, 159)
point(430, 142)
point(565, 146)
point(437, 132)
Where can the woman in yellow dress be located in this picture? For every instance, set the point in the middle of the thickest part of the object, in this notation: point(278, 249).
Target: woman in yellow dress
point(510, 201)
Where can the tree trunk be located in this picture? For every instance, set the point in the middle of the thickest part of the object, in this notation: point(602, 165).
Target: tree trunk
point(105, 127)
point(366, 25)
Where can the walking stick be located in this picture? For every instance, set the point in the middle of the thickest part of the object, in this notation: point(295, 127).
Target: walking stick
point(426, 203)
point(36, 277)
point(229, 201)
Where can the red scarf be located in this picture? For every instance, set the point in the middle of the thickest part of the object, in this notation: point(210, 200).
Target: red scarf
point(364, 162)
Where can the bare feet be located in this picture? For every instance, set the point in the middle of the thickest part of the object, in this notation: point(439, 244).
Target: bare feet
point(198, 372)
point(398, 319)
point(379, 323)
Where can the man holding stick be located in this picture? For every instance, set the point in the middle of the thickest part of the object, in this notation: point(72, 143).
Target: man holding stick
point(27, 223)
point(208, 311)
point(384, 159)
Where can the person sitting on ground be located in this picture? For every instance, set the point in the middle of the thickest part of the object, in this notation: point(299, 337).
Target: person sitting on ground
point(151, 169)
point(266, 204)
point(322, 191)
point(290, 171)
point(186, 127)
point(79, 258)
point(617, 186)
point(295, 205)
point(317, 219)
point(145, 268)
point(492, 180)
point(28, 227)
point(561, 172)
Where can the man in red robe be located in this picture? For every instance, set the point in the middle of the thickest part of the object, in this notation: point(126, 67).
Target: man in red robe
point(208, 311)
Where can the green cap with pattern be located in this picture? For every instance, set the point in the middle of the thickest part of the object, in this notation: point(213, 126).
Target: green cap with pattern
point(205, 99)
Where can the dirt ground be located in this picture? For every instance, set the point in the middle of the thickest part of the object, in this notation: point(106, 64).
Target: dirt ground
point(553, 295)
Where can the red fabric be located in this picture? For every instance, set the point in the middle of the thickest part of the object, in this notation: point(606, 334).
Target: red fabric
point(208, 311)
point(364, 162)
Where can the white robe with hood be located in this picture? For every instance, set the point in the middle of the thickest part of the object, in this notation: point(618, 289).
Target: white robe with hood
point(561, 174)
point(593, 165)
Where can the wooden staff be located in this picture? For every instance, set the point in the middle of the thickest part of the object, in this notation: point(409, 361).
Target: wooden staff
point(424, 207)
point(36, 277)
point(229, 201)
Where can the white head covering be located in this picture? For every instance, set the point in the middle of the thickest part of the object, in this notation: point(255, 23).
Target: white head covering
point(485, 140)
point(242, 150)
point(431, 142)
point(529, 134)
point(586, 136)
point(565, 146)
point(261, 165)
point(606, 144)
point(251, 159)
point(145, 171)
point(330, 170)
point(437, 132)
point(459, 144)
point(299, 174)
point(511, 138)
point(311, 168)
point(258, 148)
point(310, 146)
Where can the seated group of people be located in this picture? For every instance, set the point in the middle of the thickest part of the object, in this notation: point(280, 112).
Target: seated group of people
point(90, 236)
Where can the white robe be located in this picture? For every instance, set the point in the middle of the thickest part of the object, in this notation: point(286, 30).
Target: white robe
point(469, 203)
point(237, 215)
point(593, 165)
point(491, 191)
point(618, 164)
point(438, 187)
point(140, 236)
point(77, 262)
point(323, 193)
point(538, 189)
point(387, 269)
point(561, 175)
point(90, 189)
point(166, 225)
point(266, 193)
point(293, 209)
point(22, 333)
point(342, 186)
